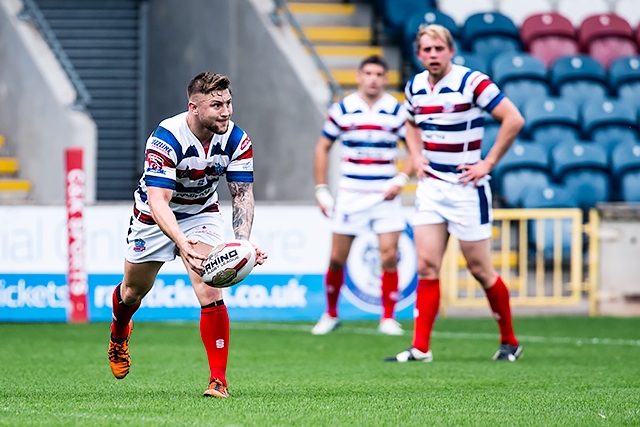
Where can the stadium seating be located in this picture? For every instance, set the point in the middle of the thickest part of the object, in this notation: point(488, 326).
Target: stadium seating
point(625, 166)
point(471, 60)
point(624, 79)
point(584, 169)
point(410, 29)
point(609, 122)
point(489, 34)
point(520, 76)
point(518, 11)
point(460, 10)
point(607, 36)
point(524, 166)
point(549, 36)
point(579, 78)
point(491, 128)
point(630, 10)
point(551, 120)
point(578, 11)
point(395, 13)
point(551, 197)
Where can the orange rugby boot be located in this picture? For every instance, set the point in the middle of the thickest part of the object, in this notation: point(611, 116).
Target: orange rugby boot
point(216, 389)
point(119, 358)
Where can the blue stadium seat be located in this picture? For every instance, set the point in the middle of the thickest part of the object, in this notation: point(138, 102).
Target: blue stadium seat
point(609, 122)
point(584, 169)
point(550, 197)
point(625, 166)
point(551, 120)
point(523, 167)
point(490, 133)
point(489, 34)
point(578, 77)
point(471, 60)
point(520, 76)
point(396, 12)
point(624, 79)
point(412, 24)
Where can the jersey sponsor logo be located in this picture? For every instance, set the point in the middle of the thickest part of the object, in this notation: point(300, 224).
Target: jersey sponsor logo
point(245, 142)
point(160, 145)
point(363, 272)
point(139, 245)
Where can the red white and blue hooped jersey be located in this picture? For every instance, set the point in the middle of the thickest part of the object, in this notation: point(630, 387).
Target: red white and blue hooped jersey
point(450, 116)
point(175, 159)
point(369, 137)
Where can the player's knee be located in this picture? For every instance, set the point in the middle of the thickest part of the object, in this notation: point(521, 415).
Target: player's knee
point(389, 259)
point(428, 270)
point(335, 264)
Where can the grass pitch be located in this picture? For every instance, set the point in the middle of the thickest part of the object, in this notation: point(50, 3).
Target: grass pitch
point(576, 371)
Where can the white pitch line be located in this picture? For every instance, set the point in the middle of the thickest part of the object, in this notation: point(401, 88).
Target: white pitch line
point(449, 335)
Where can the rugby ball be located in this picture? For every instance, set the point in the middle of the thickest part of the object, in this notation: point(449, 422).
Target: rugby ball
point(228, 263)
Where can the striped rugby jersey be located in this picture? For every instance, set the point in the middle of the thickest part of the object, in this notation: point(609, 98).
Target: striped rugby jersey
point(451, 117)
point(175, 159)
point(369, 137)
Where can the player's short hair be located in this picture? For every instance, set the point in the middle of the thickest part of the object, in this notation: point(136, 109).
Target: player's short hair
point(434, 31)
point(207, 82)
point(374, 59)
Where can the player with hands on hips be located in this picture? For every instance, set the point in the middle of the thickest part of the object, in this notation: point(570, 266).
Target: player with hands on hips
point(446, 105)
point(368, 123)
point(176, 212)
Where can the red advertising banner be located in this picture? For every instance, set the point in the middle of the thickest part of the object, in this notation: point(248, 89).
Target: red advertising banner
point(77, 275)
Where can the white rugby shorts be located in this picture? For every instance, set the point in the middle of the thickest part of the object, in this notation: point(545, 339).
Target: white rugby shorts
point(355, 213)
point(465, 208)
point(148, 243)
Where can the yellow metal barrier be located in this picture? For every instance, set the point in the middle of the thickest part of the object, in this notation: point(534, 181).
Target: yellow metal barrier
point(537, 272)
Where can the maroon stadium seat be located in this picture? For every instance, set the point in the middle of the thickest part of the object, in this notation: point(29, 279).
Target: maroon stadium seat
point(549, 36)
point(607, 36)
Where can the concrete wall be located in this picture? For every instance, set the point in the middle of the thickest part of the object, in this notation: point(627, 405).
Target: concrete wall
point(35, 110)
point(279, 98)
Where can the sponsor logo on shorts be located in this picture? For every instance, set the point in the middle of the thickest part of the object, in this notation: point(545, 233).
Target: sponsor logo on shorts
point(139, 245)
point(363, 272)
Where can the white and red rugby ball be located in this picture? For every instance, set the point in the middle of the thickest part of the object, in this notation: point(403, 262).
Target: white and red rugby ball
point(229, 263)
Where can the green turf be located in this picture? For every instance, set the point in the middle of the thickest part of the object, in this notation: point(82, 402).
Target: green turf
point(576, 371)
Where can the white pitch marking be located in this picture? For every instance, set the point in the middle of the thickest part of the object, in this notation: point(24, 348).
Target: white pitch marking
point(452, 335)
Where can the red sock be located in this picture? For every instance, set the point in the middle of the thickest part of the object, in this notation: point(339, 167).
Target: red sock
point(427, 305)
point(122, 315)
point(214, 331)
point(389, 293)
point(333, 283)
point(498, 296)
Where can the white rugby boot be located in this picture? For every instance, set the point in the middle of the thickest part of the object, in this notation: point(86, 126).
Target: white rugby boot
point(325, 325)
point(390, 327)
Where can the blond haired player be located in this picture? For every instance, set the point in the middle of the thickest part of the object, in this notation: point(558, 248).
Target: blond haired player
point(446, 104)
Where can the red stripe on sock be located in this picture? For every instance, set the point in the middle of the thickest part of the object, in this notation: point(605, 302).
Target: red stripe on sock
point(214, 331)
point(122, 315)
point(333, 283)
point(498, 296)
point(389, 293)
point(427, 305)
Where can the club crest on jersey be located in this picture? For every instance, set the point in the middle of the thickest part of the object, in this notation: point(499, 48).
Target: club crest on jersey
point(363, 272)
point(448, 107)
point(139, 245)
point(155, 162)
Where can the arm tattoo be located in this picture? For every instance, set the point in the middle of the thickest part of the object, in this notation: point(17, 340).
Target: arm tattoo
point(242, 204)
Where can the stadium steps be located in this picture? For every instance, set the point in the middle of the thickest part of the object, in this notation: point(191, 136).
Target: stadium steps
point(342, 36)
point(101, 39)
point(12, 188)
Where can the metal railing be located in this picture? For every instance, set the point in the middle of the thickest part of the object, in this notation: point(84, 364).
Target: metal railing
point(276, 17)
point(540, 255)
point(31, 13)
